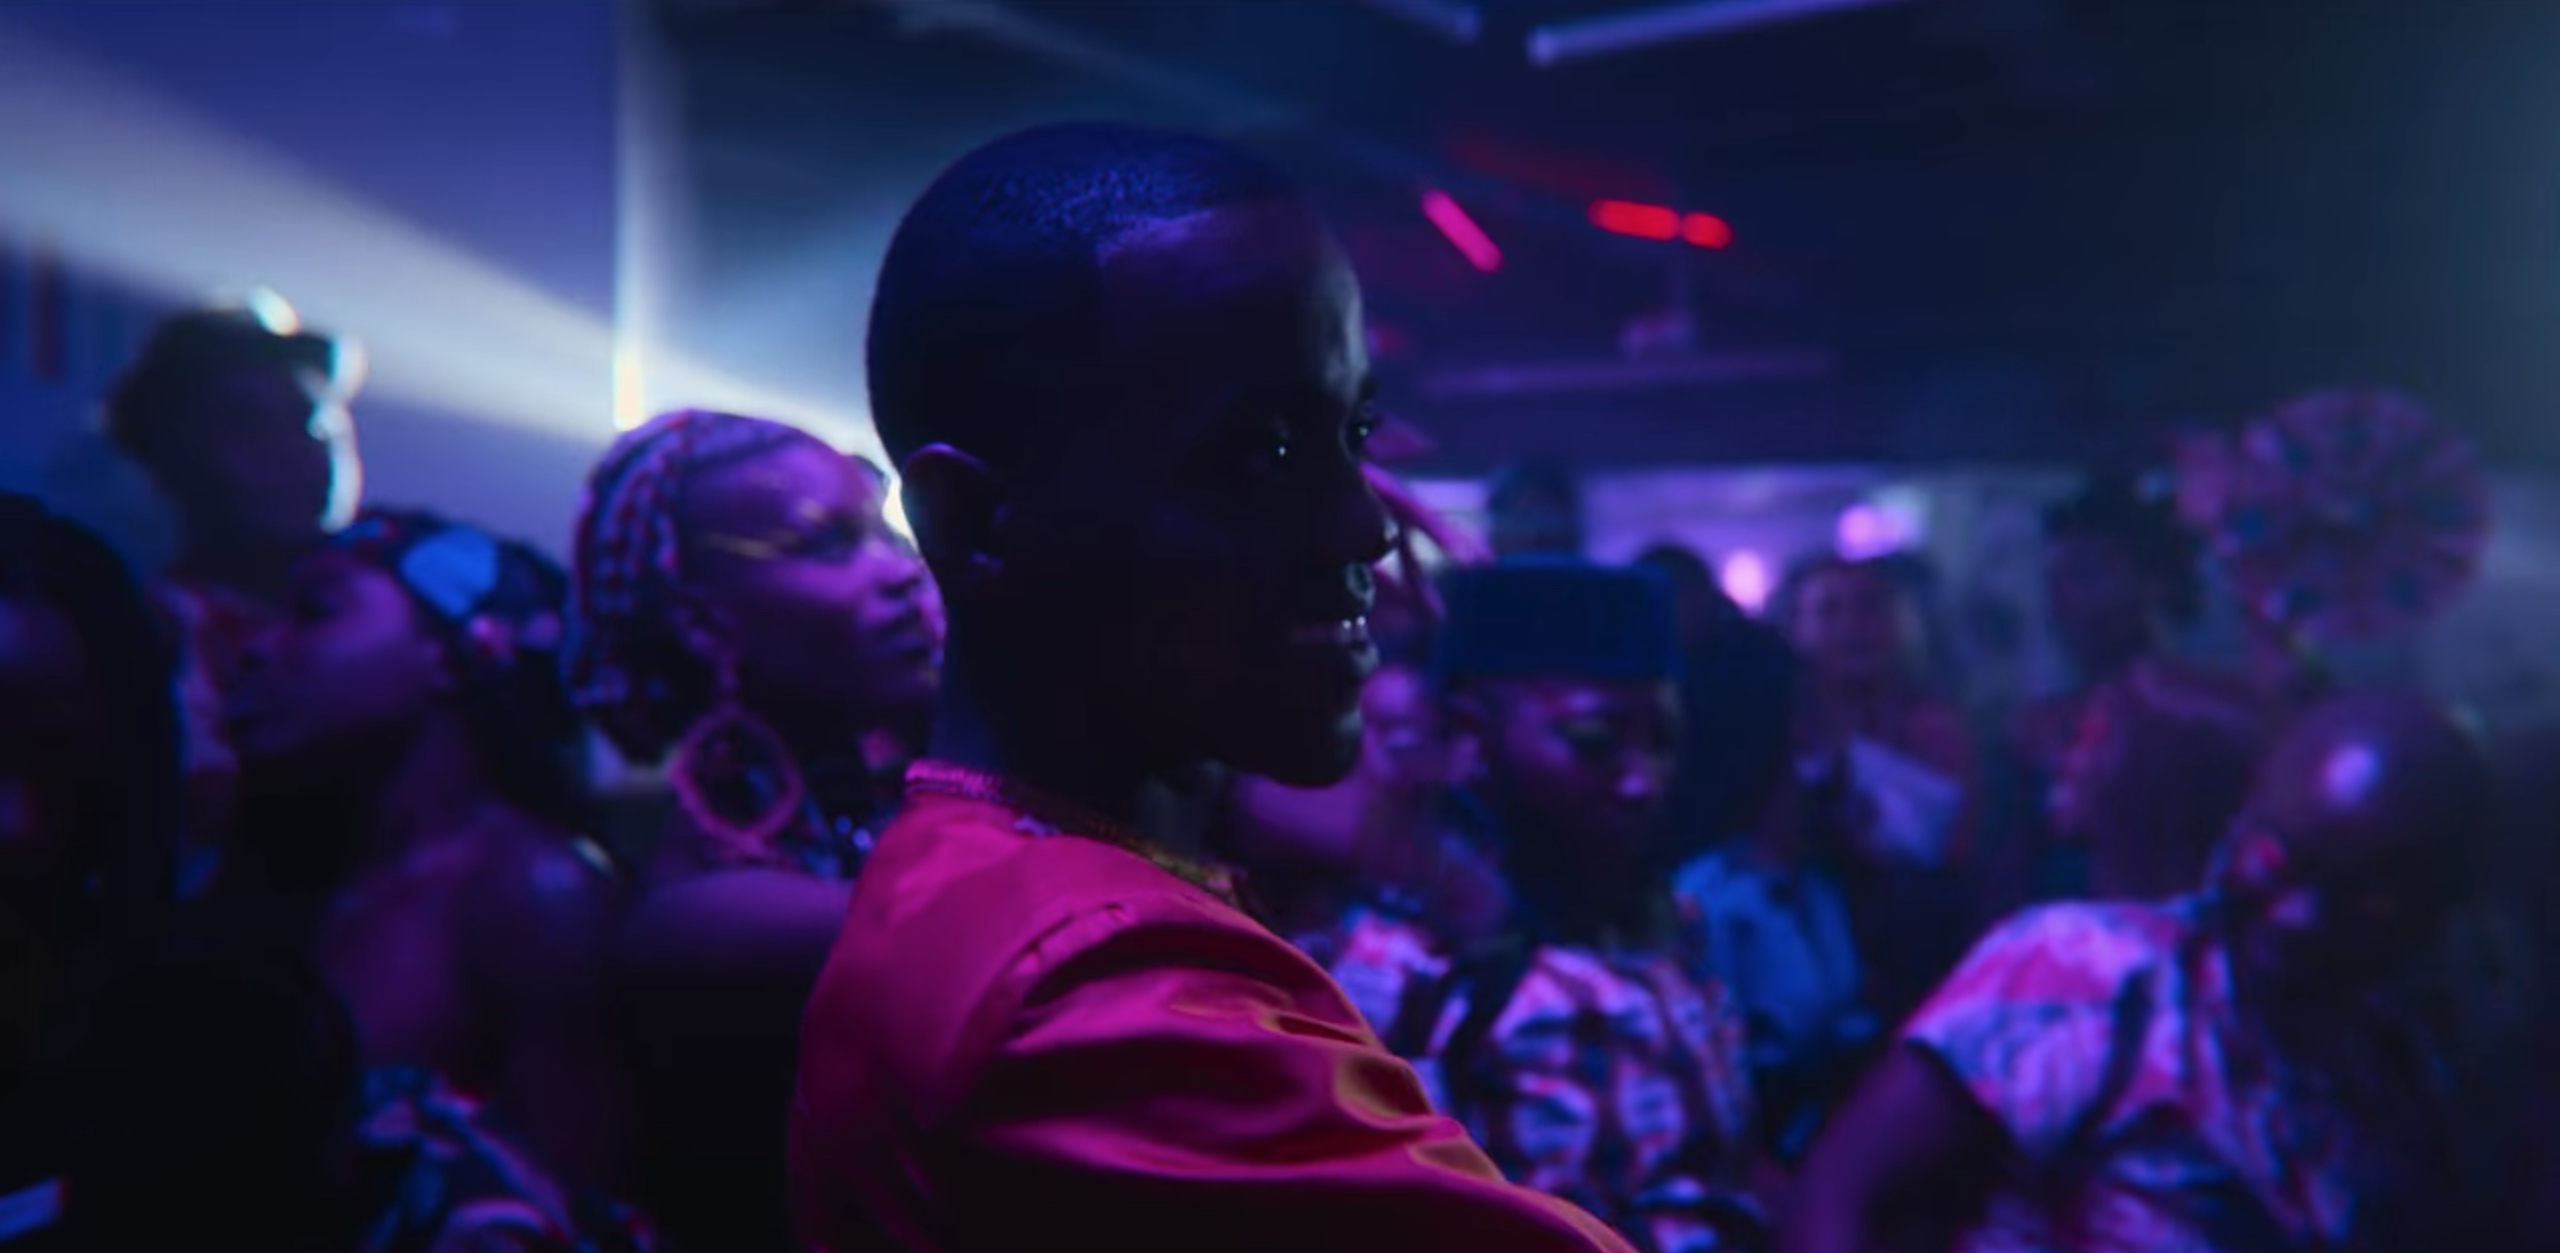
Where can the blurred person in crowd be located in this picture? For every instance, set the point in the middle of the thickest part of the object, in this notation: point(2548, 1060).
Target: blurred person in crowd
point(1699, 810)
point(1902, 758)
point(1562, 675)
point(744, 614)
point(1763, 909)
point(90, 811)
point(2228, 1071)
point(1697, 597)
point(412, 807)
point(1866, 711)
point(225, 1105)
point(1125, 373)
point(240, 419)
point(2525, 879)
point(2161, 764)
point(2120, 575)
point(219, 1091)
point(1534, 509)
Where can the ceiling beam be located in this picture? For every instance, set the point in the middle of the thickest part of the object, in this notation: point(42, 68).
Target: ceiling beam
point(1457, 22)
point(1217, 106)
point(1583, 39)
point(1585, 378)
point(1220, 108)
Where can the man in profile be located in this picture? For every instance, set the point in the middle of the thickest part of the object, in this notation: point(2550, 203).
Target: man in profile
point(1125, 375)
point(239, 416)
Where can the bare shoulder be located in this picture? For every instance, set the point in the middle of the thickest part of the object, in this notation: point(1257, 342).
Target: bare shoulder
point(741, 920)
point(535, 876)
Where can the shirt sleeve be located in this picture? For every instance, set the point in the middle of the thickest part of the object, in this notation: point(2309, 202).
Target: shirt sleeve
point(2027, 1022)
point(1178, 1080)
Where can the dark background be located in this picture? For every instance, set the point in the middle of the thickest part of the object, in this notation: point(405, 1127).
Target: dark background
point(2010, 230)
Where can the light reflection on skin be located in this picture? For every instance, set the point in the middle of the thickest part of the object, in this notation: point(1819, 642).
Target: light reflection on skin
point(775, 545)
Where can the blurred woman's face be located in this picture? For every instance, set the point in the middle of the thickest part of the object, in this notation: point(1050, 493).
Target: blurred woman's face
point(1851, 624)
point(1585, 760)
point(2101, 606)
point(820, 602)
point(350, 670)
point(1406, 738)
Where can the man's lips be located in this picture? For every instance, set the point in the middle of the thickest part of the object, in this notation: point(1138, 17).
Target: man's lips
point(1331, 653)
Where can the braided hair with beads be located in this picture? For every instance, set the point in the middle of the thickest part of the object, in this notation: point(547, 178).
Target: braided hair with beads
point(653, 693)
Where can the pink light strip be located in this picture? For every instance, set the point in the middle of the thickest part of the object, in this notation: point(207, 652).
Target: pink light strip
point(1461, 231)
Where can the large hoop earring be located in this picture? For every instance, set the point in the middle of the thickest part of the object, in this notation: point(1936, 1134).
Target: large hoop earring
point(734, 777)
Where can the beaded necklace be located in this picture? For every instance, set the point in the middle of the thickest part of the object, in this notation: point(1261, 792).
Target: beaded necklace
point(1041, 813)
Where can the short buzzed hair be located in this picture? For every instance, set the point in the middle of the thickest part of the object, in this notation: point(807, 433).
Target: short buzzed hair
point(160, 398)
point(988, 300)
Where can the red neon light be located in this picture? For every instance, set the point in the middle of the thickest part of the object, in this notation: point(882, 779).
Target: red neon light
point(1646, 221)
point(1643, 221)
point(1461, 231)
point(1706, 230)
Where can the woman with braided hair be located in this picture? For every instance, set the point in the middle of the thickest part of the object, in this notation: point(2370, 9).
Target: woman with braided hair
point(745, 615)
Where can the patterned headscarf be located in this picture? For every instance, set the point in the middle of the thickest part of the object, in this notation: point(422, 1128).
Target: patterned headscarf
point(626, 667)
point(500, 606)
point(499, 597)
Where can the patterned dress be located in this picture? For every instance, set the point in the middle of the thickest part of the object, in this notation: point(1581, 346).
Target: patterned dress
point(1389, 965)
point(2104, 1040)
point(1778, 941)
point(442, 1182)
point(1612, 1080)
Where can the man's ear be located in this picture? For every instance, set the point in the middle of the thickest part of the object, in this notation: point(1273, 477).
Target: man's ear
point(955, 510)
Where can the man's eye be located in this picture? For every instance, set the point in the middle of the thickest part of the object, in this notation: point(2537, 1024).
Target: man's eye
point(1364, 427)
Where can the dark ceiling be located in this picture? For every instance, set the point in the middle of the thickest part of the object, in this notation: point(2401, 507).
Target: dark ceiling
point(1982, 229)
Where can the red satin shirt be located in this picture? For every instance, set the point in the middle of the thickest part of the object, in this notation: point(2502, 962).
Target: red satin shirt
point(1027, 1040)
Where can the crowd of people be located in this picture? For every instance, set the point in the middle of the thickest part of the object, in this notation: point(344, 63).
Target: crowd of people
point(1186, 839)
